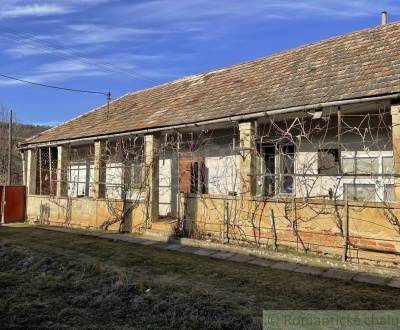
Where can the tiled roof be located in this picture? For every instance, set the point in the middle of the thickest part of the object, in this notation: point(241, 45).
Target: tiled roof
point(358, 64)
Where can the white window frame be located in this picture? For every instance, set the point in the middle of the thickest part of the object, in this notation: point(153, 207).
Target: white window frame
point(87, 168)
point(114, 180)
point(378, 181)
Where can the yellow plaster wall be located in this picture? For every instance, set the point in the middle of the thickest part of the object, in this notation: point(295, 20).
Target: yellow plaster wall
point(78, 212)
point(371, 225)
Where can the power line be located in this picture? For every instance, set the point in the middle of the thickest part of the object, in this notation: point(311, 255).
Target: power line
point(56, 87)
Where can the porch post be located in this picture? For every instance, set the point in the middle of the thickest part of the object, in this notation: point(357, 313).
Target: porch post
point(23, 160)
point(247, 160)
point(99, 184)
point(151, 177)
point(395, 112)
point(31, 171)
point(62, 171)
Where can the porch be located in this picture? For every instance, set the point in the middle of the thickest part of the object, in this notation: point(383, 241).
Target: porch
point(312, 168)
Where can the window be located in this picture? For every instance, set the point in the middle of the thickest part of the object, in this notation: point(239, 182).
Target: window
point(269, 171)
point(278, 169)
point(136, 176)
point(114, 180)
point(46, 171)
point(360, 192)
point(80, 179)
point(387, 165)
point(389, 192)
point(348, 165)
point(375, 168)
point(361, 165)
point(287, 167)
point(123, 179)
point(328, 161)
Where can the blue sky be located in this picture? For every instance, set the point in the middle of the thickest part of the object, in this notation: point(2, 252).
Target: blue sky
point(126, 45)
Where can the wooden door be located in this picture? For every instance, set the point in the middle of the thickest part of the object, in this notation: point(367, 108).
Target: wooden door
point(192, 175)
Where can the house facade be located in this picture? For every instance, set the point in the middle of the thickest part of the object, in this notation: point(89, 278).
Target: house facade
point(300, 148)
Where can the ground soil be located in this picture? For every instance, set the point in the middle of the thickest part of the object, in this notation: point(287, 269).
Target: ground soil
point(59, 280)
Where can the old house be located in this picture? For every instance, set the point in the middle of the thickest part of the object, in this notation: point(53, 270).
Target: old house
point(300, 148)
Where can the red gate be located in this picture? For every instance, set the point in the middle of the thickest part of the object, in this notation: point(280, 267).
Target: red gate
point(12, 204)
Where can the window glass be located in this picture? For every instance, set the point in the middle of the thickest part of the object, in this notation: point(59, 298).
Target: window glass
point(367, 165)
point(136, 175)
point(269, 171)
point(77, 176)
point(389, 192)
point(360, 192)
point(91, 179)
point(287, 168)
point(387, 165)
point(114, 172)
point(361, 165)
point(348, 165)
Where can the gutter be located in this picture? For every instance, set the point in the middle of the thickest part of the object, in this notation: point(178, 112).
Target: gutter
point(218, 121)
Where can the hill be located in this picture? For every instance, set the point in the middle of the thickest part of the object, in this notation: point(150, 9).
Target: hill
point(20, 133)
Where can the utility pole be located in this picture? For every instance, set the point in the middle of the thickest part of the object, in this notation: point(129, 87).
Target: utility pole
point(108, 103)
point(9, 147)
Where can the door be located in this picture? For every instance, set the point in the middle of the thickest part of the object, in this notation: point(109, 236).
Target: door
point(14, 203)
point(192, 175)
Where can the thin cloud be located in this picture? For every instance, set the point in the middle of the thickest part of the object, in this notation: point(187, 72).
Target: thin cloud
point(24, 50)
point(34, 10)
point(199, 10)
point(13, 9)
point(51, 77)
point(91, 34)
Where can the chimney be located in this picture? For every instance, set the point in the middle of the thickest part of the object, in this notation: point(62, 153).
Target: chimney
point(384, 18)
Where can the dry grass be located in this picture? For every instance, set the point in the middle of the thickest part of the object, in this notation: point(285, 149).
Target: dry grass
point(56, 280)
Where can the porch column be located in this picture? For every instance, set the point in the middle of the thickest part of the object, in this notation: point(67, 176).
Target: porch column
point(247, 160)
point(395, 111)
point(151, 176)
point(62, 171)
point(23, 160)
point(31, 171)
point(99, 184)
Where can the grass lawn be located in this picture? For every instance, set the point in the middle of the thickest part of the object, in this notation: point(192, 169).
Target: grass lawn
point(57, 280)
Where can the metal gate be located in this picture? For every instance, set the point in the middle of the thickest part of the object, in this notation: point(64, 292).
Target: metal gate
point(12, 204)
